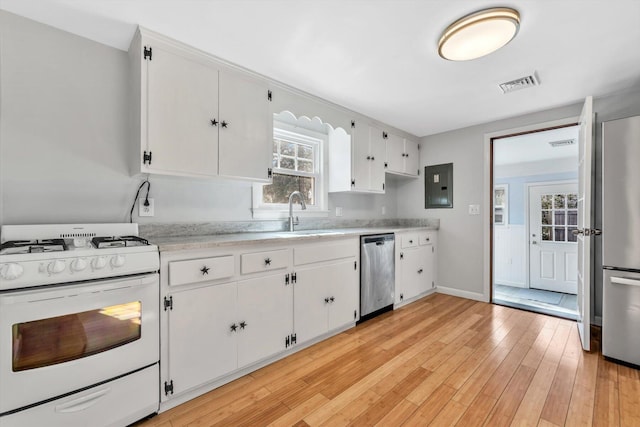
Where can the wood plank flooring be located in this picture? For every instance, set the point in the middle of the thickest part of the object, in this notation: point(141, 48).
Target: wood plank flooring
point(441, 361)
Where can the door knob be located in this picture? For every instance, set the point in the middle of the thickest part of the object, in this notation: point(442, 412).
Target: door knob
point(577, 231)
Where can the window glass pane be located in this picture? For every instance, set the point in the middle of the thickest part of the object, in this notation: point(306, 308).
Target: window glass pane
point(287, 163)
point(287, 148)
point(305, 166)
point(275, 161)
point(572, 217)
point(572, 201)
point(558, 200)
point(559, 234)
point(61, 339)
point(284, 185)
point(559, 217)
point(546, 233)
point(275, 146)
point(499, 193)
point(545, 201)
point(305, 152)
point(570, 236)
point(546, 217)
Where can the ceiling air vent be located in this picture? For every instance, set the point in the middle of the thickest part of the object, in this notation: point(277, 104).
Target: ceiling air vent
point(520, 83)
point(562, 142)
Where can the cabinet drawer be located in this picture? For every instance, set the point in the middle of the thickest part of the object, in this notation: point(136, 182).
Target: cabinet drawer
point(200, 270)
point(264, 261)
point(324, 252)
point(427, 238)
point(409, 240)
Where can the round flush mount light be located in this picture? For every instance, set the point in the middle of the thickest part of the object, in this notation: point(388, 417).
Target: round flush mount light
point(479, 34)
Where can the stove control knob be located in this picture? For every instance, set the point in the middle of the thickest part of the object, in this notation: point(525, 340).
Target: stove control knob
point(56, 266)
point(99, 263)
point(11, 271)
point(117, 261)
point(78, 264)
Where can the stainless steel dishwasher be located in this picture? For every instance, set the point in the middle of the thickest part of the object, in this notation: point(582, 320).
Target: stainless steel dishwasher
point(377, 274)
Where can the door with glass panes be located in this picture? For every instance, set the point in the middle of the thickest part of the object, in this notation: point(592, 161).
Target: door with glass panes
point(553, 215)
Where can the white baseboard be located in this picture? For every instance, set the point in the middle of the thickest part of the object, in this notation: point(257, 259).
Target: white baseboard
point(463, 294)
point(513, 284)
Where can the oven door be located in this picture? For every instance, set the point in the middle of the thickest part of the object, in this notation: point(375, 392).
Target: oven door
point(61, 339)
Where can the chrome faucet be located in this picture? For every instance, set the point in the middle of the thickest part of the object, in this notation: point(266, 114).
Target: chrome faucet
point(293, 222)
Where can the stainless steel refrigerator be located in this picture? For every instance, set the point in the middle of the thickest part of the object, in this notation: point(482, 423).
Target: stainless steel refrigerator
point(621, 239)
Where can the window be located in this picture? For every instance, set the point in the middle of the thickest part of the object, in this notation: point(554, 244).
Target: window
point(297, 166)
point(501, 204)
point(559, 217)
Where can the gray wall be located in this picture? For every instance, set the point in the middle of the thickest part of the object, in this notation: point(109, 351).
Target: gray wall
point(64, 139)
point(460, 241)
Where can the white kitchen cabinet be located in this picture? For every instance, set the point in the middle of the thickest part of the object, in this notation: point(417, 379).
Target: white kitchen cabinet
point(202, 345)
point(366, 151)
point(415, 265)
point(195, 116)
point(402, 156)
point(326, 297)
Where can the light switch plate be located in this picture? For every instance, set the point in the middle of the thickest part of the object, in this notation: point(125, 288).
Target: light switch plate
point(474, 209)
point(145, 210)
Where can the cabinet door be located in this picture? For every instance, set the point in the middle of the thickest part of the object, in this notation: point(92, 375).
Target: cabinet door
point(429, 268)
point(344, 288)
point(361, 156)
point(377, 149)
point(395, 154)
point(181, 95)
point(414, 271)
point(311, 302)
point(246, 127)
point(265, 306)
point(202, 346)
point(412, 157)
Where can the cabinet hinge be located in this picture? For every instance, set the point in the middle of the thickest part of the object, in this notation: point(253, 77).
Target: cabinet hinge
point(286, 279)
point(401, 255)
point(401, 297)
point(168, 387)
point(353, 123)
point(146, 158)
point(294, 339)
point(418, 171)
point(383, 185)
point(168, 303)
point(418, 146)
point(355, 265)
point(294, 277)
point(146, 52)
point(433, 249)
point(269, 173)
point(355, 314)
point(384, 135)
point(269, 95)
point(286, 342)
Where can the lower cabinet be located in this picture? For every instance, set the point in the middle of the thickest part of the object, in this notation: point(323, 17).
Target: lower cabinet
point(415, 265)
point(325, 298)
point(217, 329)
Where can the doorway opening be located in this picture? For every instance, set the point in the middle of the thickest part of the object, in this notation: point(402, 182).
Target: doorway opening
point(534, 177)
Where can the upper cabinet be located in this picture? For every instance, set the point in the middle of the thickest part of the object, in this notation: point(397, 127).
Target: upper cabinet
point(356, 162)
point(401, 155)
point(194, 116)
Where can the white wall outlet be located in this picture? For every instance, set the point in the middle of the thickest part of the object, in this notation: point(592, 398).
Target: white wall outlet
point(474, 209)
point(383, 211)
point(338, 211)
point(145, 210)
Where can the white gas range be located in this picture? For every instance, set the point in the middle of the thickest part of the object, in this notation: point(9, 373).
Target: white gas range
point(79, 312)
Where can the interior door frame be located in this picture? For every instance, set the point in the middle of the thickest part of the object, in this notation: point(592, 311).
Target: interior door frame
point(527, 219)
point(487, 211)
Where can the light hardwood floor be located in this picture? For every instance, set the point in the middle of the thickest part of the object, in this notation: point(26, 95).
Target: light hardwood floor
point(439, 361)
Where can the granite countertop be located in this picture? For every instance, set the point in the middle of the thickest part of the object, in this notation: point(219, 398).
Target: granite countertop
point(178, 243)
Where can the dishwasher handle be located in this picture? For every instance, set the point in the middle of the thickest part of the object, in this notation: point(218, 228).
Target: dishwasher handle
point(378, 240)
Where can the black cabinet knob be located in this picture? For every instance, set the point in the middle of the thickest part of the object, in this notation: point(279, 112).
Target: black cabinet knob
point(368, 157)
point(420, 271)
point(332, 299)
point(205, 270)
point(214, 122)
point(326, 300)
point(243, 324)
point(224, 124)
point(373, 158)
point(267, 261)
point(234, 327)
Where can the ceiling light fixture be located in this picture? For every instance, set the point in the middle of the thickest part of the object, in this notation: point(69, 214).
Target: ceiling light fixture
point(479, 34)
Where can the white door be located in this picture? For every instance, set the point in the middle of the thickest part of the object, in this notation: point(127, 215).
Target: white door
point(246, 128)
point(553, 216)
point(395, 154)
point(411, 157)
point(585, 172)
point(265, 317)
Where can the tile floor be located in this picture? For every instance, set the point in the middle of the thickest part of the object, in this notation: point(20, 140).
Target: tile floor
point(512, 296)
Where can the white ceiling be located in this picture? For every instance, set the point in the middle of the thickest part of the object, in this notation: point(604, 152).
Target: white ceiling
point(379, 57)
point(534, 147)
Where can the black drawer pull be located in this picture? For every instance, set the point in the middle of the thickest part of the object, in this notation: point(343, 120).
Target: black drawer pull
point(267, 261)
point(205, 270)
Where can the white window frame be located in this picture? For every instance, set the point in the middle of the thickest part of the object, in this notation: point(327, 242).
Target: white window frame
point(505, 207)
point(285, 131)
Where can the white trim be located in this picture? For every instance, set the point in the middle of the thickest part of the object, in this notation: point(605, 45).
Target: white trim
point(505, 208)
point(488, 191)
point(462, 294)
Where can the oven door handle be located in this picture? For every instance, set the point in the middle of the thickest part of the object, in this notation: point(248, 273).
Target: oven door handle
point(82, 403)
